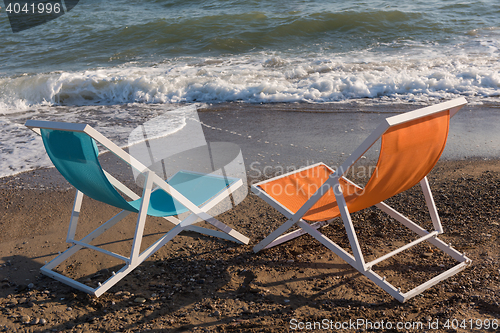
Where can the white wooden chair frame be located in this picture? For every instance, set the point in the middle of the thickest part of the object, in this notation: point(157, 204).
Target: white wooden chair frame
point(357, 260)
point(152, 182)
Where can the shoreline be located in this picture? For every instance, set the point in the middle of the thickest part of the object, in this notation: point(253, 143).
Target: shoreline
point(297, 134)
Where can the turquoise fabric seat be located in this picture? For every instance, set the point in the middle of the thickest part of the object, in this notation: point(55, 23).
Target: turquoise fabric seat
point(75, 155)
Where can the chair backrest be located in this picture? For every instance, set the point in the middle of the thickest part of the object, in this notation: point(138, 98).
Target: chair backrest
point(408, 153)
point(411, 145)
point(74, 154)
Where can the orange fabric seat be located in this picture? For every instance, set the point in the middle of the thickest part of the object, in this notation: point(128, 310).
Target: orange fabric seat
point(408, 153)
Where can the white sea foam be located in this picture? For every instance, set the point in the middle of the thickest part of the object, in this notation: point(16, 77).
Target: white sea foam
point(268, 78)
point(22, 150)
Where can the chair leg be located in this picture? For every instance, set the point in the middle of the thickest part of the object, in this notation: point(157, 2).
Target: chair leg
point(347, 257)
point(349, 227)
point(235, 235)
point(429, 200)
point(215, 233)
point(297, 233)
point(420, 231)
point(200, 230)
point(141, 220)
point(75, 214)
point(87, 239)
point(227, 232)
point(273, 235)
point(116, 277)
point(160, 243)
point(382, 283)
point(403, 297)
point(425, 236)
point(47, 269)
point(357, 261)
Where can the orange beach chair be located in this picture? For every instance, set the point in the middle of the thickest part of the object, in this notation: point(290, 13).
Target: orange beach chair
point(411, 144)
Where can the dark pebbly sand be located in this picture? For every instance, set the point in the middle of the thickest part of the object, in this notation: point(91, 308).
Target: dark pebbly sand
point(202, 284)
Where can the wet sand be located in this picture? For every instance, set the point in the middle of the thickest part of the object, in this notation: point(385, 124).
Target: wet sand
point(201, 284)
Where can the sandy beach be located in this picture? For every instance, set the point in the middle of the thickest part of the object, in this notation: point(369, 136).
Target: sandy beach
point(202, 284)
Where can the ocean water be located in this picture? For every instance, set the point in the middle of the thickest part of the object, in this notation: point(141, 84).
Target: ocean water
point(165, 52)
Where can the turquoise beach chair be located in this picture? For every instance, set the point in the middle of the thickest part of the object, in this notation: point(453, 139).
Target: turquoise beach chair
point(73, 150)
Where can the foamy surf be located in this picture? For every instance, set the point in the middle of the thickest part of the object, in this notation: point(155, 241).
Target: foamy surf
point(22, 150)
point(262, 78)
